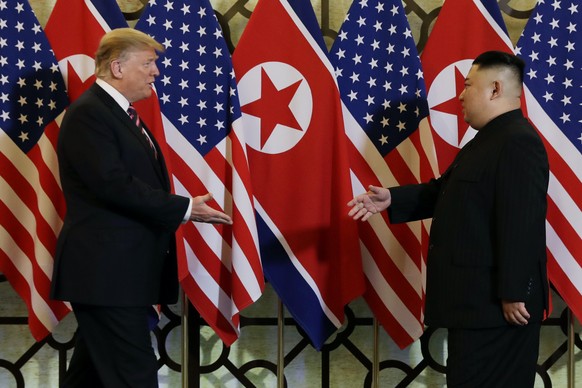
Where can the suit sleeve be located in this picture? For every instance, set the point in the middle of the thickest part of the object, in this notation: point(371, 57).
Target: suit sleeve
point(520, 212)
point(413, 202)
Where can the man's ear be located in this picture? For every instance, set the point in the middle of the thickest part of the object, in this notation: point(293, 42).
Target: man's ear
point(497, 89)
point(115, 68)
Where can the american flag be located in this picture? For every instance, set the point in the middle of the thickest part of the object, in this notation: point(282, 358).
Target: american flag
point(32, 95)
point(220, 269)
point(382, 87)
point(553, 80)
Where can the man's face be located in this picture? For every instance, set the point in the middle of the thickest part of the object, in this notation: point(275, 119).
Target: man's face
point(138, 71)
point(479, 87)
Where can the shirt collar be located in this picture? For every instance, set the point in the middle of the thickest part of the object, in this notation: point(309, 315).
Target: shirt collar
point(114, 93)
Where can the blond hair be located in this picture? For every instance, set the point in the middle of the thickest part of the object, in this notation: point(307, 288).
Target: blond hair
point(117, 44)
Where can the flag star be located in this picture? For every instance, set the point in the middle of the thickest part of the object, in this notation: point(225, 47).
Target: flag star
point(185, 9)
point(338, 72)
point(201, 12)
point(380, 7)
point(363, 3)
point(390, 48)
point(549, 79)
point(201, 104)
point(219, 107)
point(183, 119)
point(341, 54)
point(185, 28)
point(353, 95)
point(201, 122)
point(566, 100)
point(355, 77)
point(151, 20)
point(201, 87)
point(165, 98)
point(217, 71)
point(37, 66)
point(357, 59)
point(383, 139)
point(201, 68)
point(551, 61)
point(217, 33)
point(4, 116)
point(4, 97)
point(23, 119)
point(218, 89)
point(201, 139)
point(201, 31)
point(359, 40)
point(553, 42)
point(408, 33)
point(168, 24)
point(535, 37)
point(373, 63)
point(169, 6)
point(384, 122)
point(548, 96)
point(217, 52)
point(167, 62)
point(555, 24)
point(371, 82)
point(19, 26)
point(184, 84)
point(401, 126)
point(343, 35)
point(369, 118)
point(387, 85)
point(402, 107)
point(565, 117)
point(573, 8)
point(183, 101)
point(392, 29)
point(404, 71)
point(361, 21)
point(19, 45)
point(388, 67)
point(185, 47)
point(378, 25)
point(167, 43)
point(370, 100)
point(569, 64)
point(21, 82)
point(532, 73)
point(39, 103)
point(201, 50)
point(406, 52)
point(567, 83)
point(386, 104)
point(22, 101)
point(39, 121)
point(36, 47)
point(570, 46)
point(20, 64)
point(184, 65)
point(23, 136)
point(534, 56)
point(219, 124)
point(571, 28)
point(166, 80)
point(556, 5)
point(375, 45)
point(394, 10)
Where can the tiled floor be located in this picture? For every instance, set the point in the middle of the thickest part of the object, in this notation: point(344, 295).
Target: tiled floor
point(40, 368)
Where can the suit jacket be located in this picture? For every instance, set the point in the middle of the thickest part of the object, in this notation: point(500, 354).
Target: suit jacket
point(117, 244)
point(487, 239)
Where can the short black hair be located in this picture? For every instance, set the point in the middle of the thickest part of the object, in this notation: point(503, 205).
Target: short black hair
point(492, 59)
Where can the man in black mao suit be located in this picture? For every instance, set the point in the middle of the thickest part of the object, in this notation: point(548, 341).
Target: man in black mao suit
point(116, 251)
point(486, 264)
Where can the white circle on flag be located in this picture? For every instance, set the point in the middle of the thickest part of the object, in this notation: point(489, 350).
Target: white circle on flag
point(282, 75)
point(83, 65)
point(443, 89)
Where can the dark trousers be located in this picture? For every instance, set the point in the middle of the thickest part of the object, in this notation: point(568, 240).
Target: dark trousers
point(494, 357)
point(113, 349)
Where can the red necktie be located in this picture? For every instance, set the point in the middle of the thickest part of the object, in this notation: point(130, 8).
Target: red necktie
point(135, 118)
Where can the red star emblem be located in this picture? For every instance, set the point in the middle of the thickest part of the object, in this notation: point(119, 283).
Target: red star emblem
point(273, 107)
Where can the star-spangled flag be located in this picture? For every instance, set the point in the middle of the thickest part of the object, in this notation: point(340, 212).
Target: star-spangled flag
point(32, 95)
point(463, 30)
point(550, 46)
point(220, 268)
point(299, 163)
point(383, 93)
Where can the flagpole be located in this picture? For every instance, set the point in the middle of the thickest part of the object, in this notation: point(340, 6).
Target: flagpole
point(185, 339)
point(571, 343)
point(280, 346)
point(376, 356)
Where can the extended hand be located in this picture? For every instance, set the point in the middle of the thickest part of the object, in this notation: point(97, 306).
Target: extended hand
point(201, 212)
point(366, 205)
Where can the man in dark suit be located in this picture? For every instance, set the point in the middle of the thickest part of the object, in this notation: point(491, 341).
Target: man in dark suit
point(116, 252)
point(486, 264)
